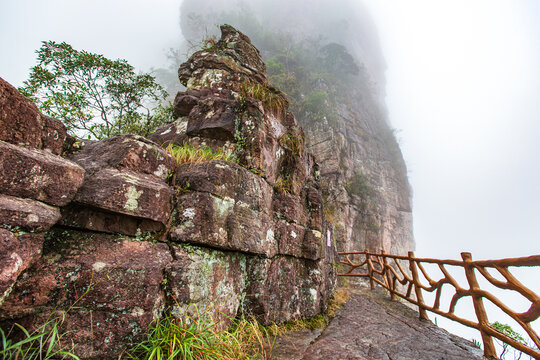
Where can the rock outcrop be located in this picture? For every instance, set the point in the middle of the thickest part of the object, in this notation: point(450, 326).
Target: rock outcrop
point(364, 178)
point(116, 234)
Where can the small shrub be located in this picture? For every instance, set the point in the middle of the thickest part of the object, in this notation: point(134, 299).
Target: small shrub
point(191, 154)
point(283, 185)
point(359, 186)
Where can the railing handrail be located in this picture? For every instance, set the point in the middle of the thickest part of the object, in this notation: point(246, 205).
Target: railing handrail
point(379, 271)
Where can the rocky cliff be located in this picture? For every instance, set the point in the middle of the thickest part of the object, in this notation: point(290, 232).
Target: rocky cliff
point(112, 235)
point(326, 56)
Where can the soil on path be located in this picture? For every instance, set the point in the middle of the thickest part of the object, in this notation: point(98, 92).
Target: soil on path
point(372, 327)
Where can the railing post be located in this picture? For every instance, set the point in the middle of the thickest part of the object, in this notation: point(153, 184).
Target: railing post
point(388, 276)
point(370, 269)
point(481, 315)
point(417, 288)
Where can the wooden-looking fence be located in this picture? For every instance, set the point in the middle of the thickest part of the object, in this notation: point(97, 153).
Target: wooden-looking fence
point(386, 270)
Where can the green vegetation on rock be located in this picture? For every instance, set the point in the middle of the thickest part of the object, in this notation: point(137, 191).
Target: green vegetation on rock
point(191, 154)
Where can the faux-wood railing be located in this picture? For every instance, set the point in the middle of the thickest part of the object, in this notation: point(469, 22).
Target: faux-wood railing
point(386, 270)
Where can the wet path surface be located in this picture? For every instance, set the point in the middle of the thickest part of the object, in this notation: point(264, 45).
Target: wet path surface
point(372, 327)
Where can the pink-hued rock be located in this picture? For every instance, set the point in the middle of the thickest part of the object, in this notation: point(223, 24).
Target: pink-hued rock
point(213, 118)
point(183, 104)
point(126, 152)
point(208, 220)
point(38, 174)
point(126, 192)
point(20, 119)
point(208, 281)
point(173, 133)
point(284, 288)
point(233, 58)
point(82, 217)
point(109, 287)
point(16, 254)
point(28, 214)
point(21, 122)
point(53, 135)
point(226, 179)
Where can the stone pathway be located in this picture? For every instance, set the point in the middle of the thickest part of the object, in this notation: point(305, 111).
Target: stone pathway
point(372, 327)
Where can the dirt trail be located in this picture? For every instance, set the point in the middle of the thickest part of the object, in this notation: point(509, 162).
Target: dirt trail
point(372, 327)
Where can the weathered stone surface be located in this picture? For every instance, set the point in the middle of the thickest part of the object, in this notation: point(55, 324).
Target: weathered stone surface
point(27, 214)
point(232, 58)
point(213, 118)
point(84, 217)
point(128, 193)
point(38, 174)
point(114, 282)
point(208, 281)
point(226, 179)
point(296, 241)
point(371, 327)
point(16, 254)
point(126, 152)
point(20, 120)
point(173, 133)
point(183, 104)
point(260, 148)
point(53, 135)
point(225, 223)
point(291, 208)
point(284, 288)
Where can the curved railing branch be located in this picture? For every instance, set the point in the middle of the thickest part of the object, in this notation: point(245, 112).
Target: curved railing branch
point(387, 271)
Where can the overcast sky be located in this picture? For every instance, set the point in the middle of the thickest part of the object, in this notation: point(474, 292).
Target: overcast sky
point(463, 85)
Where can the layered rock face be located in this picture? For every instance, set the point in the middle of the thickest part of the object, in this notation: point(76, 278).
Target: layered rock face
point(114, 234)
point(363, 174)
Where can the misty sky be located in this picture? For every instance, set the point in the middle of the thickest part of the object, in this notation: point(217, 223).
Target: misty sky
point(463, 86)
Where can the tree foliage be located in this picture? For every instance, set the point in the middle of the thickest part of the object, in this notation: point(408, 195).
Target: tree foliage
point(92, 95)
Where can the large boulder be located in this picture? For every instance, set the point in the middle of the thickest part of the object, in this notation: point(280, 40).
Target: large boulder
point(223, 205)
point(284, 288)
point(38, 175)
point(27, 214)
point(21, 122)
point(126, 152)
point(20, 119)
point(205, 281)
point(108, 287)
point(231, 59)
point(126, 192)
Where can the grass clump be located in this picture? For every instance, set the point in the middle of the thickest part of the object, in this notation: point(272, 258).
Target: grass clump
point(43, 343)
point(201, 339)
point(190, 154)
point(292, 142)
point(272, 98)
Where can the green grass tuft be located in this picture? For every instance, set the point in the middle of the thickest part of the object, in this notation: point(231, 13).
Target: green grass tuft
point(202, 339)
point(44, 343)
point(190, 154)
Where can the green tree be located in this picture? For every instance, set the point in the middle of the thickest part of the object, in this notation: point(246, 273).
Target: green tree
point(95, 97)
